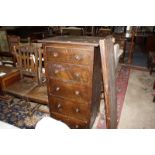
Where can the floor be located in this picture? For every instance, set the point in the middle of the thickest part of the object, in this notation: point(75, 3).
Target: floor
point(139, 109)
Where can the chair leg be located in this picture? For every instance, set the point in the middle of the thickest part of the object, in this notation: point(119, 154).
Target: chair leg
point(154, 98)
point(151, 68)
point(148, 62)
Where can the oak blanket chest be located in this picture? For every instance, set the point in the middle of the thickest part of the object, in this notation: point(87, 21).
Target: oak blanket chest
point(73, 71)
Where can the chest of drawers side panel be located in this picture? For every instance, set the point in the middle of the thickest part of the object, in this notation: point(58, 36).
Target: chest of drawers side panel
point(96, 85)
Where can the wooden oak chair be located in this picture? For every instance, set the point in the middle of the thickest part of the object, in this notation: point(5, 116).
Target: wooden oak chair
point(39, 93)
point(27, 63)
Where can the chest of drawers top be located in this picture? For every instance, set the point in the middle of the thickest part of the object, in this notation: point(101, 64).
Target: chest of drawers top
point(78, 40)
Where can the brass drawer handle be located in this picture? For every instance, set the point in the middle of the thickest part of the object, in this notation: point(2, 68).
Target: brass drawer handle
point(59, 106)
point(76, 126)
point(55, 54)
point(57, 88)
point(77, 92)
point(77, 110)
point(56, 71)
point(77, 75)
point(77, 57)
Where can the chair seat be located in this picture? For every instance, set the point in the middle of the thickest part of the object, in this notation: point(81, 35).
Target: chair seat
point(38, 94)
point(21, 88)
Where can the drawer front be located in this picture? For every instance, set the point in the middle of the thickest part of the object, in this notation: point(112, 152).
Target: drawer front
point(72, 123)
point(69, 91)
point(69, 72)
point(69, 55)
point(69, 108)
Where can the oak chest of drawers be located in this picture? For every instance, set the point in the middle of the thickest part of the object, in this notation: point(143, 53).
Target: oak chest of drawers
point(73, 71)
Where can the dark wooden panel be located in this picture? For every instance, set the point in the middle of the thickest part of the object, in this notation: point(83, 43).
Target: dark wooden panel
point(96, 86)
point(108, 70)
point(150, 43)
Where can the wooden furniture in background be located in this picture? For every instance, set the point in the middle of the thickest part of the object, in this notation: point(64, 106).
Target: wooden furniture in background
point(151, 61)
point(4, 46)
point(150, 43)
point(102, 32)
point(121, 40)
point(6, 56)
point(73, 71)
point(13, 41)
point(132, 44)
point(108, 71)
point(74, 31)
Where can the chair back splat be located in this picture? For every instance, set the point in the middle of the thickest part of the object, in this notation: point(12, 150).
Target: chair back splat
point(27, 61)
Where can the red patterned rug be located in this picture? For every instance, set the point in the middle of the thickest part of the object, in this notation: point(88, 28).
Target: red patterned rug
point(121, 87)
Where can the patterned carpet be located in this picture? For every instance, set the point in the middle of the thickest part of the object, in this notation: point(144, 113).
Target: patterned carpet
point(25, 115)
point(22, 114)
